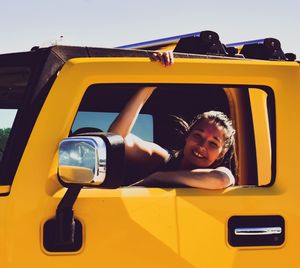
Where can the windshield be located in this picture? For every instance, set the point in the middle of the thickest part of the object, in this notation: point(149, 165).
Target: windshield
point(13, 82)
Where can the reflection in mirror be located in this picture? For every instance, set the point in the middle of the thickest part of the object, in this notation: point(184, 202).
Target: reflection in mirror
point(82, 160)
point(76, 174)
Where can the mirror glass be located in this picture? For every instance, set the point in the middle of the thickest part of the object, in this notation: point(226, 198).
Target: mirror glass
point(82, 160)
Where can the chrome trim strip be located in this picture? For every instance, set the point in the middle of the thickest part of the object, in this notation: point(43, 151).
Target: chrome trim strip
point(258, 231)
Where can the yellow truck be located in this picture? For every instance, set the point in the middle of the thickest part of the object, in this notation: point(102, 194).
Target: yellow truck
point(65, 194)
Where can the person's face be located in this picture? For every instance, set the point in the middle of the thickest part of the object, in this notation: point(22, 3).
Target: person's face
point(204, 145)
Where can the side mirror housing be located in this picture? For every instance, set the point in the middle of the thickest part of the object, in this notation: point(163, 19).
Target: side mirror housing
point(90, 159)
point(93, 160)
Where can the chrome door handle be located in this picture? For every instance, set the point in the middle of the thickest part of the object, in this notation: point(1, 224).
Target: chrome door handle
point(258, 231)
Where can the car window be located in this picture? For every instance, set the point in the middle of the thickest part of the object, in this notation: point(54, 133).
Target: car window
point(158, 120)
point(7, 118)
point(13, 83)
point(102, 120)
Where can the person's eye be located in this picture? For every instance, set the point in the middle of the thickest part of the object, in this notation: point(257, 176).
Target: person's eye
point(213, 145)
point(198, 136)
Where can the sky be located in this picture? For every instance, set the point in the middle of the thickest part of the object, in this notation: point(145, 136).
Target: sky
point(111, 23)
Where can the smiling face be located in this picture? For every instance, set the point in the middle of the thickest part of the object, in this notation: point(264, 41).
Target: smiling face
point(204, 145)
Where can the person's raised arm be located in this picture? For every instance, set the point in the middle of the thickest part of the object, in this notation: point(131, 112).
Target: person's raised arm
point(146, 155)
point(125, 121)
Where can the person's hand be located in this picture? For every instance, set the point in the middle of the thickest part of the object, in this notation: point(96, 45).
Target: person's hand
point(166, 58)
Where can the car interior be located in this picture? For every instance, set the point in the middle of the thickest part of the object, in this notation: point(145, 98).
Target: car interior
point(164, 117)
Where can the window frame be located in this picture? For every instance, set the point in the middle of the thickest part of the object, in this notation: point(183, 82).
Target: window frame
point(246, 87)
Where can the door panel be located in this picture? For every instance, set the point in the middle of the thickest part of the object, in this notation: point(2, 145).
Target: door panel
point(203, 226)
point(133, 226)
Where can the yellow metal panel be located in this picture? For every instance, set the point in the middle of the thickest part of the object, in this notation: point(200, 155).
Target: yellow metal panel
point(260, 116)
point(152, 227)
point(203, 220)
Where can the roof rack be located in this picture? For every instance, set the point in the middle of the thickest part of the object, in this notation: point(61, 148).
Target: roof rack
point(264, 49)
point(208, 43)
point(173, 40)
point(205, 42)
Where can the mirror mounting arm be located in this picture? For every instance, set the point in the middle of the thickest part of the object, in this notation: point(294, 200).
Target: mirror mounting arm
point(65, 223)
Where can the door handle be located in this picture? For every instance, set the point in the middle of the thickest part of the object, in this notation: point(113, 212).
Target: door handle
point(251, 231)
point(258, 231)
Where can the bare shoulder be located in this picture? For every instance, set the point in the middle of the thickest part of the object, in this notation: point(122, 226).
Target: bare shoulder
point(144, 150)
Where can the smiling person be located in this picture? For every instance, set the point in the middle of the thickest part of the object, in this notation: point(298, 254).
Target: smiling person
point(204, 160)
point(201, 163)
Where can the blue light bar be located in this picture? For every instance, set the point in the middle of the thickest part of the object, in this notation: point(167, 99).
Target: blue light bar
point(160, 42)
point(257, 41)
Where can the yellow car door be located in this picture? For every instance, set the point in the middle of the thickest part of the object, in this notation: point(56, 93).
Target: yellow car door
point(242, 226)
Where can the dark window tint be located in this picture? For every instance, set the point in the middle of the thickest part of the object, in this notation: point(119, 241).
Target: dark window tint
point(13, 82)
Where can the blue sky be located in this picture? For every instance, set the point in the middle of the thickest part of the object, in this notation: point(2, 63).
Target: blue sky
point(24, 24)
point(112, 23)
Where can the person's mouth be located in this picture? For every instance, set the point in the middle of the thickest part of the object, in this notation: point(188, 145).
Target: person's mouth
point(198, 155)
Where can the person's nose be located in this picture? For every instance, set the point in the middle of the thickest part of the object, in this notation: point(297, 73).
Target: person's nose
point(201, 142)
point(202, 148)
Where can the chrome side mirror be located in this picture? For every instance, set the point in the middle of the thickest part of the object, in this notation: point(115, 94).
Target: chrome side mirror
point(92, 160)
